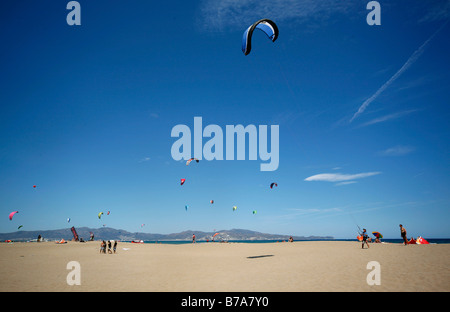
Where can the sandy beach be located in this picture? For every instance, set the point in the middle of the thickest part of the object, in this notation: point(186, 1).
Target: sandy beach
point(226, 267)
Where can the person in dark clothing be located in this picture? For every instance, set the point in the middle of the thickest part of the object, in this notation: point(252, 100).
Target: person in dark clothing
point(403, 234)
point(365, 237)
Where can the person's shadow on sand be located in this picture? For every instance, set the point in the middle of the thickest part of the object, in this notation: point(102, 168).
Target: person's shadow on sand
point(262, 256)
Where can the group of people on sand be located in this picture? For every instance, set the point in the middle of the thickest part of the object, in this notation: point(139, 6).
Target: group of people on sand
point(109, 244)
point(366, 239)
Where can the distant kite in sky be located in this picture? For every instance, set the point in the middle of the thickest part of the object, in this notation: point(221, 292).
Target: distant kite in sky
point(265, 25)
point(211, 201)
point(12, 214)
point(234, 208)
point(182, 181)
point(100, 215)
point(273, 184)
point(34, 186)
point(189, 161)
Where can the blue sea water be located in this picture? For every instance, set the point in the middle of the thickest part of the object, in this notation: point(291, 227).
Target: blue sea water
point(392, 240)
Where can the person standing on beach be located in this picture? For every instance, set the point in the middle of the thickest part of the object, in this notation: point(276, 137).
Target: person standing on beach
point(364, 236)
point(193, 238)
point(103, 247)
point(115, 246)
point(403, 234)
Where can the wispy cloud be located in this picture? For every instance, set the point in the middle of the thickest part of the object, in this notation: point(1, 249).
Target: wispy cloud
point(339, 177)
point(350, 210)
point(144, 159)
point(388, 117)
point(440, 11)
point(216, 15)
point(314, 210)
point(293, 212)
point(154, 115)
point(397, 151)
point(411, 60)
point(345, 183)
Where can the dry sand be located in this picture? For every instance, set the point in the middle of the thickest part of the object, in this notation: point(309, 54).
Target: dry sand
point(225, 267)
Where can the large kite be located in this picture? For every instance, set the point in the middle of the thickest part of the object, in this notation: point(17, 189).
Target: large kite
point(265, 25)
point(12, 214)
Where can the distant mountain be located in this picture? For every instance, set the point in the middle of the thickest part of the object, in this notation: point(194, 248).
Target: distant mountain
point(110, 233)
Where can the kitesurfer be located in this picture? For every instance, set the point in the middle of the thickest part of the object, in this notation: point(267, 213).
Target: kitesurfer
point(364, 238)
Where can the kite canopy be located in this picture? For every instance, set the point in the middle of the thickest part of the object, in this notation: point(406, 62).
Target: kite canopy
point(273, 184)
point(211, 201)
point(186, 207)
point(100, 215)
point(234, 208)
point(75, 234)
point(189, 161)
point(182, 181)
point(12, 214)
point(421, 241)
point(254, 211)
point(68, 220)
point(34, 186)
point(265, 25)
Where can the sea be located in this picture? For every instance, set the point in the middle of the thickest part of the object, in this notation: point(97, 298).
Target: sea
point(392, 241)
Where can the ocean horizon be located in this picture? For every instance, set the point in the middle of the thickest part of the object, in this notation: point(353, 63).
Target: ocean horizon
point(391, 241)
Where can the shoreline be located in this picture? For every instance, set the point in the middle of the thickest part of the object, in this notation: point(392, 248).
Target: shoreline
point(432, 241)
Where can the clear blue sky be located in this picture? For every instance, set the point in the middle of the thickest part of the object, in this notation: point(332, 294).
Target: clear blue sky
point(86, 114)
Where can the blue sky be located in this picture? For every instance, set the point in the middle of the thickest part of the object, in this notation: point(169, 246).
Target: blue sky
point(86, 114)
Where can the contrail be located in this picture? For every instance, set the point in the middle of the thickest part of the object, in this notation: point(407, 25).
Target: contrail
point(412, 59)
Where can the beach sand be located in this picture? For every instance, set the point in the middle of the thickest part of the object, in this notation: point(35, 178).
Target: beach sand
point(226, 267)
